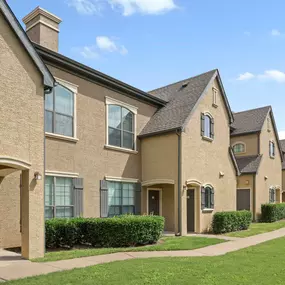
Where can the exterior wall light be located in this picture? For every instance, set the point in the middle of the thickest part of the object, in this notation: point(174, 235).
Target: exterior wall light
point(222, 174)
point(265, 177)
point(37, 176)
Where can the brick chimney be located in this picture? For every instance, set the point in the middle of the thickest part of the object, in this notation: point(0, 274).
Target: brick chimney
point(42, 27)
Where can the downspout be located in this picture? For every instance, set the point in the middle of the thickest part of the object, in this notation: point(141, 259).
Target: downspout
point(254, 198)
point(178, 132)
point(47, 90)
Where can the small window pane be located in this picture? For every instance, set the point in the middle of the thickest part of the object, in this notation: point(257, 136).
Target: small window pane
point(128, 210)
point(49, 101)
point(127, 120)
point(114, 116)
point(64, 125)
point(64, 212)
point(48, 121)
point(114, 137)
point(49, 190)
point(239, 148)
point(128, 140)
point(208, 197)
point(207, 126)
point(63, 100)
point(49, 213)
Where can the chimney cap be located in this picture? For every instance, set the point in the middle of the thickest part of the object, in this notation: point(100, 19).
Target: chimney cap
point(40, 11)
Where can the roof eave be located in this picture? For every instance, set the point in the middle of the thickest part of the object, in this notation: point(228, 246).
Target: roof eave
point(62, 61)
point(48, 79)
point(179, 129)
point(245, 133)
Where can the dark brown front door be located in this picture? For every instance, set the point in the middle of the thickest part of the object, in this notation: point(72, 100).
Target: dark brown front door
point(191, 210)
point(243, 199)
point(153, 202)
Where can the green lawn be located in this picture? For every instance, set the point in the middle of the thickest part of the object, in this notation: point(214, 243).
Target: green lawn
point(258, 228)
point(166, 243)
point(260, 265)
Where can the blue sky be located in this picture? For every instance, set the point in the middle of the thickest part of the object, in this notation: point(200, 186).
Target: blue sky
point(151, 43)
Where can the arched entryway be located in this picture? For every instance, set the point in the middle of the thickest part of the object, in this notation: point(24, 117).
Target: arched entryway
point(15, 187)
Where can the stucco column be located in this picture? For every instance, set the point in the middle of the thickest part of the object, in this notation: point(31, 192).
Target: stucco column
point(32, 216)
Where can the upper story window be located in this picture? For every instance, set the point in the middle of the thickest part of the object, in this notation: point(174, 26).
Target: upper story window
point(59, 111)
point(207, 126)
point(215, 96)
point(121, 124)
point(239, 148)
point(271, 149)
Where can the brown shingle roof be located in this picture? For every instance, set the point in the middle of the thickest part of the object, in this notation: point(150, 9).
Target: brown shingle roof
point(249, 164)
point(249, 121)
point(182, 97)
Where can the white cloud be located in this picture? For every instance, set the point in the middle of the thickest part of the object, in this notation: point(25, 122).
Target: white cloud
point(282, 135)
point(106, 44)
point(86, 7)
point(245, 76)
point(275, 33)
point(89, 52)
point(275, 75)
point(103, 44)
point(130, 7)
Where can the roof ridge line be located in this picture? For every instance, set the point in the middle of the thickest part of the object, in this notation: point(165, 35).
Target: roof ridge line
point(181, 80)
point(267, 106)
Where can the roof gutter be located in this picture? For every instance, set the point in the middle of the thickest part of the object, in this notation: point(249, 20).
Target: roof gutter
point(86, 72)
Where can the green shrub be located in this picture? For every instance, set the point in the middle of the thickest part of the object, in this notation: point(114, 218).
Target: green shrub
point(224, 222)
point(123, 231)
point(272, 212)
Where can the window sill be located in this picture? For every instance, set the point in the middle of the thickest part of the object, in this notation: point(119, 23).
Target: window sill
point(207, 139)
point(120, 149)
point(60, 137)
point(215, 105)
point(206, 210)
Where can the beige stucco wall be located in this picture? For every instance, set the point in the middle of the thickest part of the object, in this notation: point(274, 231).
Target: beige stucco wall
point(270, 168)
point(203, 161)
point(21, 137)
point(160, 162)
point(250, 141)
point(88, 157)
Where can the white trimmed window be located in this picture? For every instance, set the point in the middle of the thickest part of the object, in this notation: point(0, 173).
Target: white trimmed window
point(239, 148)
point(272, 195)
point(121, 124)
point(207, 126)
point(60, 110)
point(272, 149)
point(59, 197)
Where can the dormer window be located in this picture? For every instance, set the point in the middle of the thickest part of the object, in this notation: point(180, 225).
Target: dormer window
point(239, 148)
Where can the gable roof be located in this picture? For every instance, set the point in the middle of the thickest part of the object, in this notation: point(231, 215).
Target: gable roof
point(182, 98)
point(250, 121)
point(249, 164)
point(22, 36)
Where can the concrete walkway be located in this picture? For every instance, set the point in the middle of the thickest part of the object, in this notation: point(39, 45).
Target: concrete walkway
point(13, 267)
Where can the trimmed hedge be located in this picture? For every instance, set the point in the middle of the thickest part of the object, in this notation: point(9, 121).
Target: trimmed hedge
point(224, 222)
point(272, 212)
point(123, 231)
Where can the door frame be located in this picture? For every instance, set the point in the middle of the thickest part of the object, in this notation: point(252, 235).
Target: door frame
point(195, 212)
point(160, 199)
point(250, 197)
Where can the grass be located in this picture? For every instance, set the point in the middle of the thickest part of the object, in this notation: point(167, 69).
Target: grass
point(258, 228)
point(166, 243)
point(262, 265)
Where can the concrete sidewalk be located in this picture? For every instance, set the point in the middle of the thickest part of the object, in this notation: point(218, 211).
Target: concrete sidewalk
point(13, 267)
